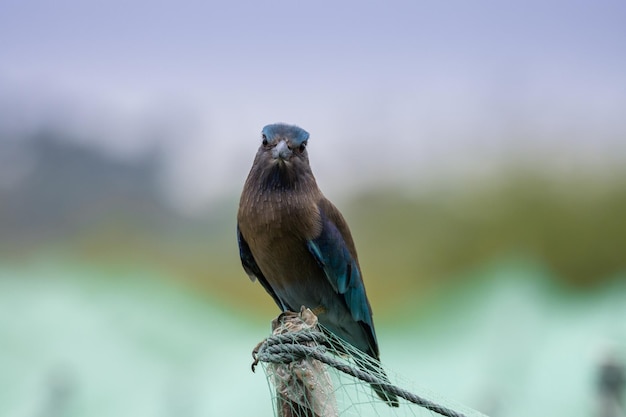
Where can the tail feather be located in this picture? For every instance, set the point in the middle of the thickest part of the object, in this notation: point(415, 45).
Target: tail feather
point(367, 362)
point(374, 368)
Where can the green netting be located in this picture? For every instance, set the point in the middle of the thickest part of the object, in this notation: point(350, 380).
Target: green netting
point(312, 373)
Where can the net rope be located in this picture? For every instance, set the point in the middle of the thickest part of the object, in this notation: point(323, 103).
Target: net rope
point(299, 358)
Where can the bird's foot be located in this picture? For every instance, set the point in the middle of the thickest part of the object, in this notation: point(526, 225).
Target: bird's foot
point(255, 353)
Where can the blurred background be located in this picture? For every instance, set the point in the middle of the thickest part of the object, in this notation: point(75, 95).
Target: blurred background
point(477, 150)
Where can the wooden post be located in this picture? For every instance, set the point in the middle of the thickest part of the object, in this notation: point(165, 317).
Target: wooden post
point(303, 387)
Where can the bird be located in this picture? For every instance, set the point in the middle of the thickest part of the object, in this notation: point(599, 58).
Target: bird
point(298, 246)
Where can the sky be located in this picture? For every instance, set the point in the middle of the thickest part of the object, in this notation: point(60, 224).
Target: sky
point(408, 91)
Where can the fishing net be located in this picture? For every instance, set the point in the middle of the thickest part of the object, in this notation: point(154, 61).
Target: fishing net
point(312, 373)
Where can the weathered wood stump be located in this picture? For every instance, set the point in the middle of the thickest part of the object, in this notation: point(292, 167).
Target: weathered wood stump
point(303, 386)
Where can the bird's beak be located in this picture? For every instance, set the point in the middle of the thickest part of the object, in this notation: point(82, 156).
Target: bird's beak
point(281, 151)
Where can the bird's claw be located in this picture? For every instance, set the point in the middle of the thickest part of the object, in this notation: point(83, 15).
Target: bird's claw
point(255, 353)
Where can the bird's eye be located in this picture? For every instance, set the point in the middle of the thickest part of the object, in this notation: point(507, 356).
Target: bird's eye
point(264, 139)
point(302, 147)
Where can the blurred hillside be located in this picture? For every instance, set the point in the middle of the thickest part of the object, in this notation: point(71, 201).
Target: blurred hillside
point(575, 227)
point(75, 202)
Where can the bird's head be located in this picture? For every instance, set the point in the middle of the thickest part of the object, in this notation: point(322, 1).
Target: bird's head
point(284, 143)
point(283, 156)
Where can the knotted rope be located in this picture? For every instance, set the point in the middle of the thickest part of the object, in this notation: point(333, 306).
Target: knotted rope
point(290, 347)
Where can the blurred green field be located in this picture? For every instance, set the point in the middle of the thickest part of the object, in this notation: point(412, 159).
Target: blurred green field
point(87, 340)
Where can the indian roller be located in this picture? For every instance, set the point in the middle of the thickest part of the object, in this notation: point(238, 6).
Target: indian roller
point(296, 243)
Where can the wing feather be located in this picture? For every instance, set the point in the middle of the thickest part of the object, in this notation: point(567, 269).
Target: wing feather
point(252, 269)
point(334, 251)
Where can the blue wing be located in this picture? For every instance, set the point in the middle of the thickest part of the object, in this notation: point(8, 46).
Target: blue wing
point(335, 253)
point(252, 269)
point(337, 258)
